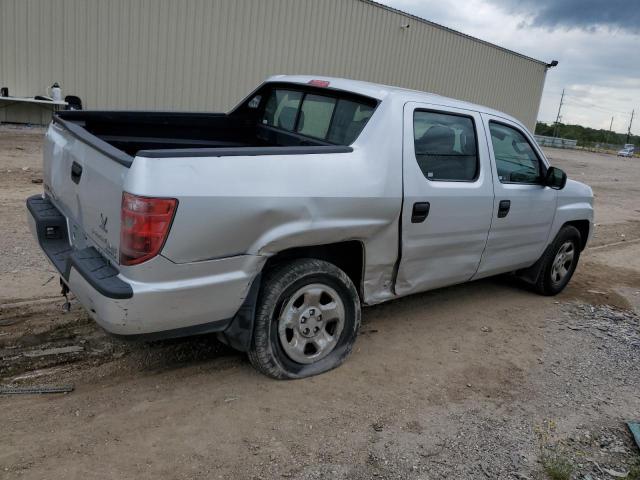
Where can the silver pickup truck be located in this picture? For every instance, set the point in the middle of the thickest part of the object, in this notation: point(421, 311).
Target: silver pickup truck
point(273, 224)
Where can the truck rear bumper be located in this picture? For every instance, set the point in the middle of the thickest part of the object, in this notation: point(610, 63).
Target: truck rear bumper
point(205, 302)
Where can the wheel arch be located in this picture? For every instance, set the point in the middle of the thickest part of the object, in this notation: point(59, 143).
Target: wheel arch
point(583, 227)
point(531, 274)
point(348, 255)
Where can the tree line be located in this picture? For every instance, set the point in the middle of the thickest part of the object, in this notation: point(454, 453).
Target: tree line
point(585, 135)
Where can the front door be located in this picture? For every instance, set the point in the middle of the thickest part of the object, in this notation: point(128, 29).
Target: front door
point(524, 208)
point(448, 197)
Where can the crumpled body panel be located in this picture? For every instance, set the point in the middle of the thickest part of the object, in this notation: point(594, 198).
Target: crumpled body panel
point(262, 205)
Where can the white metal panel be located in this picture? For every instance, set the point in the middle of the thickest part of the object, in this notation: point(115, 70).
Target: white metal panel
point(206, 54)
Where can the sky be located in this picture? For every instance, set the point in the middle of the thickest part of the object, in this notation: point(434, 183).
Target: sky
point(596, 42)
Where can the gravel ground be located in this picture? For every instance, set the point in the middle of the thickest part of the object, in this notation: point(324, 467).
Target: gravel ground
point(484, 380)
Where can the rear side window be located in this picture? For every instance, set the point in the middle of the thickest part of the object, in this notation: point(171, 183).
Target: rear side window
point(325, 117)
point(348, 121)
point(516, 161)
point(445, 146)
point(315, 115)
point(282, 109)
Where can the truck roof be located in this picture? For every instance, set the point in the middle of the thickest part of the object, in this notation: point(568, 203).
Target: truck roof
point(380, 92)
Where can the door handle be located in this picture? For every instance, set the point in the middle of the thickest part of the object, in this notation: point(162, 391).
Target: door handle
point(76, 172)
point(420, 212)
point(503, 208)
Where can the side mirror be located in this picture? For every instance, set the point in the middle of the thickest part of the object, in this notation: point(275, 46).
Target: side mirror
point(555, 178)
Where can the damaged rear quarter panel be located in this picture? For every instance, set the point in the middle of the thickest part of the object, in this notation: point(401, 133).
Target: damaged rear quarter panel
point(261, 205)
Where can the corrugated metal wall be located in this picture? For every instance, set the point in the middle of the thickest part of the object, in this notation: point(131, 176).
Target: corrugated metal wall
point(207, 54)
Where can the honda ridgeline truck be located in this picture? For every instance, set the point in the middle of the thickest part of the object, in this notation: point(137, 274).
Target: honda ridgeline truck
point(275, 223)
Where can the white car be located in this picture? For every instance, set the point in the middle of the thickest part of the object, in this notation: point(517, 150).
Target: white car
point(275, 223)
point(626, 152)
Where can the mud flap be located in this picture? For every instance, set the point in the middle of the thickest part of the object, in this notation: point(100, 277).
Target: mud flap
point(532, 273)
point(239, 333)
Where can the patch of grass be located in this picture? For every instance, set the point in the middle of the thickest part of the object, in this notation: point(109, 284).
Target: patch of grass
point(634, 472)
point(556, 466)
point(555, 463)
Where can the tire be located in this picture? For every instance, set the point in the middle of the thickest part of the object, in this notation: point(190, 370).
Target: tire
point(298, 299)
point(553, 279)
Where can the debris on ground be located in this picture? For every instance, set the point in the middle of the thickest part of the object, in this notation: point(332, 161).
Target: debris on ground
point(607, 322)
point(54, 351)
point(34, 389)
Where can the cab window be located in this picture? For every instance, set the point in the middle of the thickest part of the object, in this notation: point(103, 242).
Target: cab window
point(445, 146)
point(516, 160)
point(330, 117)
point(315, 115)
point(281, 109)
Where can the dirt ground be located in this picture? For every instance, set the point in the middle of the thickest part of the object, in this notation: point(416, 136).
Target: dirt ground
point(484, 380)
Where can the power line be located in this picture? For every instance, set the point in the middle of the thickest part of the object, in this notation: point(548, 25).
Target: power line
point(578, 102)
point(584, 104)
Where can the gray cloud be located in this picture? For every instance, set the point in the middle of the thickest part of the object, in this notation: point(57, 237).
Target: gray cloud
point(599, 67)
point(583, 14)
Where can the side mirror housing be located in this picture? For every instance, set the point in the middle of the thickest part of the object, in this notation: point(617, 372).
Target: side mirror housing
point(555, 178)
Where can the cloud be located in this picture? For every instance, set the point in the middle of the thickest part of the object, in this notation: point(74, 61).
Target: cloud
point(584, 14)
point(599, 67)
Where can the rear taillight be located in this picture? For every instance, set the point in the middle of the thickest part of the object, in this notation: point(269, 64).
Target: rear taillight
point(144, 226)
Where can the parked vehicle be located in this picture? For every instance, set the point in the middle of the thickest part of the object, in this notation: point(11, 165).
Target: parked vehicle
point(627, 151)
point(273, 224)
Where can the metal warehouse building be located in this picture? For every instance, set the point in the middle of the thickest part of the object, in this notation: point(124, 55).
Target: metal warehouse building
point(205, 55)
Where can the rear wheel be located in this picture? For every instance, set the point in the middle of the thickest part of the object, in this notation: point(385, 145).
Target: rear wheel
point(307, 320)
point(559, 262)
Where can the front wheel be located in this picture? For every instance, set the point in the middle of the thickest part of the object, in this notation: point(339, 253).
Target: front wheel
point(559, 262)
point(307, 320)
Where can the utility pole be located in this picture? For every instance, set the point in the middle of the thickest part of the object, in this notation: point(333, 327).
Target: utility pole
point(555, 130)
point(630, 123)
point(606, 139)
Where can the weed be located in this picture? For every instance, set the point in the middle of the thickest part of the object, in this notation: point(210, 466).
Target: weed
point(555, 464)
point(557, 467)
point(634, 472)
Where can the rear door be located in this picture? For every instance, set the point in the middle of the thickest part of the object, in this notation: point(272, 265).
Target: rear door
point(86, 186)
point(448, 197)
point(524, 207)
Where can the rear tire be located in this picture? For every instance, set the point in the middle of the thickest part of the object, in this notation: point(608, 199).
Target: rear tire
point(559, 262)
point(307, 320)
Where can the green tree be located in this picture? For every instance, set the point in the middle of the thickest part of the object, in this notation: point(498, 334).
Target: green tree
point(586, 136)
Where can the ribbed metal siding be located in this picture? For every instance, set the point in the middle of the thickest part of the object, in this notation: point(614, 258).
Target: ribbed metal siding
point(206, 54)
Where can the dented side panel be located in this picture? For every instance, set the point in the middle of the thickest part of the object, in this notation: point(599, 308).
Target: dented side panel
point(261, 205)
point(447, 246)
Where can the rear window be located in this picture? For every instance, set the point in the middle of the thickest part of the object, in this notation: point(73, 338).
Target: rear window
point(325, 117)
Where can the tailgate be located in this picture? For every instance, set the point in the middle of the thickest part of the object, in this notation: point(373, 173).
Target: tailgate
point(86, 186)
